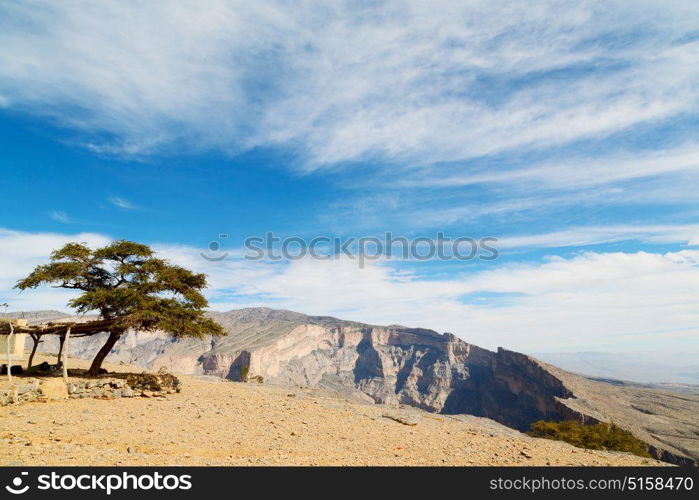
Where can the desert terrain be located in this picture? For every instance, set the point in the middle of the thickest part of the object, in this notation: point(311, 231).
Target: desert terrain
point(397, 365)
point(218, 422)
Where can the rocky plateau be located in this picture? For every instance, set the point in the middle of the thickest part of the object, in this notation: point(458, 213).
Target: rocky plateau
point(397, 365)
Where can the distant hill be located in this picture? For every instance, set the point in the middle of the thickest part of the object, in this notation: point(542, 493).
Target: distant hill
point(642, 368)
point(35, 316)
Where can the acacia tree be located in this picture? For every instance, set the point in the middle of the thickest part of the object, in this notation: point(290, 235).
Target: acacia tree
point(130, 288)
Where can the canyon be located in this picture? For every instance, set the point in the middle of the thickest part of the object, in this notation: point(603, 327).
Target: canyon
point(397, 365)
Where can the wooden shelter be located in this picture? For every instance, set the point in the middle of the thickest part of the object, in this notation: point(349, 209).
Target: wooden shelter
point(13, 334)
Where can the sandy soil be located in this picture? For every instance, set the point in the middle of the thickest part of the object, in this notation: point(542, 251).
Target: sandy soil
point(225, 423)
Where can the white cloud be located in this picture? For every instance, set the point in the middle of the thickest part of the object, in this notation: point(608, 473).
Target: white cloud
point(20, 252)
point(593, 235)
point(424, 89)
point(407, 81)
point(572, 174)
point(122, 203)
point(60, 216)
point(592, 301)
point(412, 83)
point(602, 301)
point(610, 301)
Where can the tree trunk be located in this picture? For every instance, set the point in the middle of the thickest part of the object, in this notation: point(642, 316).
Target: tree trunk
point(106, 348)
point(65, 356)
point(9, 358)
point(36, 339)
point(61, 340)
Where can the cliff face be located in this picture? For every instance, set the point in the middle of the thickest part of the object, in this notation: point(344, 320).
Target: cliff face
point(395, 365)
point(391, 365)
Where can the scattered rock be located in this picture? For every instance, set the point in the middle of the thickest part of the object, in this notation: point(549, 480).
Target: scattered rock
point(405, 419)
point(53, 388)
point(32, 386)
point(162, 381)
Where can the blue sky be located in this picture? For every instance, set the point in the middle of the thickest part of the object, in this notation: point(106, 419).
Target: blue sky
point(567, 130)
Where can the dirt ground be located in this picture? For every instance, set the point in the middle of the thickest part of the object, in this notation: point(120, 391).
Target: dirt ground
point(224, 423)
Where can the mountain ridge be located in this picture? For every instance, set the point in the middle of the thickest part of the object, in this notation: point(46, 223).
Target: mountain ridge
point(411, 366)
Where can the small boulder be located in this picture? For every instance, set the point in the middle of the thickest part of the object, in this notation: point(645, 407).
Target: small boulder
point(23, 389)
point(54, 388)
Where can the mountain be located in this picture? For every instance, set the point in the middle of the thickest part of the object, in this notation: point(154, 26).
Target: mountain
point(641, 368)
point(412, 366)
point(34, 317)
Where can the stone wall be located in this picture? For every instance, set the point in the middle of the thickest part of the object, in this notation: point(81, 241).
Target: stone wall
point(134, 385)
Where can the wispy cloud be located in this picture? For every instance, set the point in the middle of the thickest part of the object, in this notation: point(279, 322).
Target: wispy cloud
point(687, 234)
point(397, 80)
point(117, 201)
point(571, 173)
point(533, 107)
point(60, 216)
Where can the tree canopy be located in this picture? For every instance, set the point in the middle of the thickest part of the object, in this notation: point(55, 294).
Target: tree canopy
point(130, 288)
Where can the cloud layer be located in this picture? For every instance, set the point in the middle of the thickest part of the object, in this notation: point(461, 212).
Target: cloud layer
point(611, 301)
point(400, 81)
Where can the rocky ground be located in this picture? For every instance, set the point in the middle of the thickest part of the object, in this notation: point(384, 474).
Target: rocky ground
point(664, 416)
point(215, 422)
point(418, 367)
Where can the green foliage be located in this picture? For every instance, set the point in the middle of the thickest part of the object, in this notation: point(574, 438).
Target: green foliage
point(129, 286)
point(602, 436)
point(244, 370)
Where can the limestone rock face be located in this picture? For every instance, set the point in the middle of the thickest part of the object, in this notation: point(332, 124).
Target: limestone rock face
point(385, 364)
point(391, 365)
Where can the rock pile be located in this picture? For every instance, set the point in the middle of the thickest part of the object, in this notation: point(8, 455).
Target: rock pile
point(106, 388)
point(163, 381)
point(27, 391)
point(134, 385)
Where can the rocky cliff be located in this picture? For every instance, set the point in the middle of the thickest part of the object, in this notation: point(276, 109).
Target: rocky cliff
point(387, 364)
